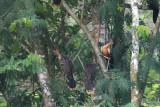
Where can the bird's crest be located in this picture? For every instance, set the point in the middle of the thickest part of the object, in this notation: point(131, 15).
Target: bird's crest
point(57, 53)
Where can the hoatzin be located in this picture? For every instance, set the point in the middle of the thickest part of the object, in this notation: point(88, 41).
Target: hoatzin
point(90, 73)
point(154, 5)
point(56, 3)
point(107, 52)
point(67, 66)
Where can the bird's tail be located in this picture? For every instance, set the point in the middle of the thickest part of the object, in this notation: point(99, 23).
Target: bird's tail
point(111, 63)
point(155, 15)
point(71, 83)
point(89, 87)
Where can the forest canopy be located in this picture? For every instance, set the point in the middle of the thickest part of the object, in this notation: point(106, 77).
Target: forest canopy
point(79, 53)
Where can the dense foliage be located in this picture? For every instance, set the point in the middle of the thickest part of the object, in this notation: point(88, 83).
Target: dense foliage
point(24, 22)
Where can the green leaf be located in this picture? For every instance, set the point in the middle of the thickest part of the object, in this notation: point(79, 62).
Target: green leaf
point(144, 32)
point(12, 26)
point(123, 85)
point(36, 58)
point(38, 69)
point(130, 105)
point(43, 67)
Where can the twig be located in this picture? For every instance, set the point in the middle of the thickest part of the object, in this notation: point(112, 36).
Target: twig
point(86, 42)
point(108, 64)
point(6, 12)
point(107, 59)
point(27, 47)
point(77, 55)
point(142, 7)
point(79, 52)
point(104, 56)
point(81, 62)
point(89, 35)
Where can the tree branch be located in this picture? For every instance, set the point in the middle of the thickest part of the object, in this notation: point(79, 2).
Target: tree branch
point(27, 47)
point(85, 29)
point(6, 12)
point(81, 62)
point(142, 7)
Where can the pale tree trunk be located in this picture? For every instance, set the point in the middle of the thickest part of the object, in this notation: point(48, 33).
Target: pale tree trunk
point(43, 76)
point(95, 23)
point(85, 29)
point(48, 101)
point(135, 52)
point(98, 27)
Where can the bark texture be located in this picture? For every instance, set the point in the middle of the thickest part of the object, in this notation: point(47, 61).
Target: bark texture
point(85, 29)
point(40, 49)
point(135, 52)
point(98, 26)
point(43, 76)
point(48, 101)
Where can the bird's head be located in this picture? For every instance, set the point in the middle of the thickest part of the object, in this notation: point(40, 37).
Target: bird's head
point(111, 41)
point(56, 51)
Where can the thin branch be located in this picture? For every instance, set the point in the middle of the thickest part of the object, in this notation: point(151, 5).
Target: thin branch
point(27, 47)
point(81, 62)
point(79, 52)
point(108, 63)
point(89, 35)
point(77, 55)
point(98, 32)
point(6, 12)
point(104, 56)
point(142, 7)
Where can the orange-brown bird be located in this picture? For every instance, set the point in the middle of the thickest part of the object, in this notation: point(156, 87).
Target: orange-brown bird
point(56, 3)
point(67, 66)
point(107, 52)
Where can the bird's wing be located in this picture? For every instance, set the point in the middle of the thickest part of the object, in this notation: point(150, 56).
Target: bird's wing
point(67, 65)
point(88, 71)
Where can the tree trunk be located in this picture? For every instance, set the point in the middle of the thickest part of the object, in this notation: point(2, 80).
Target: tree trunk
point(95, 23)
point(135, 52)
point(98, 28)
point(62, 26)
point(85, 29)
point(43, 76)
point(48, 101)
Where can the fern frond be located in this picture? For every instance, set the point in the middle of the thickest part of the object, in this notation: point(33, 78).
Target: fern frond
point(123, 85)
point(144, 32)
point(36, 58)
point(101, 86)
point(113, 89)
